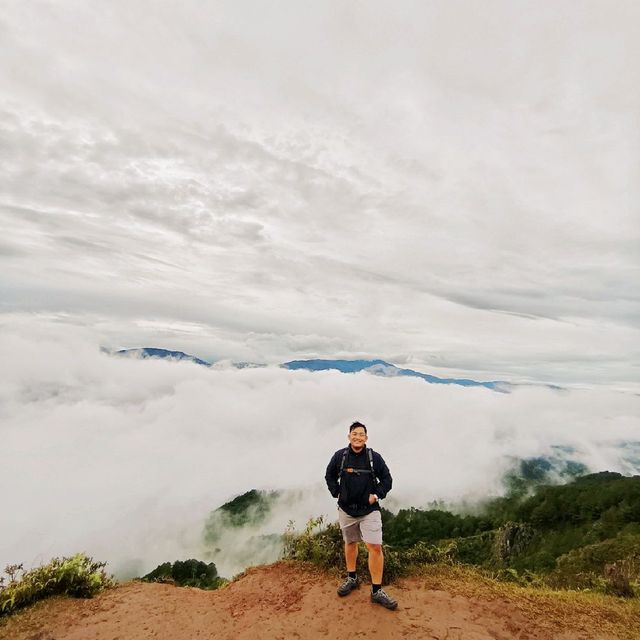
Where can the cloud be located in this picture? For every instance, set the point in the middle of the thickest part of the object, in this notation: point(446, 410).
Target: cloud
point(441, 184)
point(125, 459)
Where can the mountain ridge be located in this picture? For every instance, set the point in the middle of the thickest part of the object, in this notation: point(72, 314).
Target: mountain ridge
point(374, 366)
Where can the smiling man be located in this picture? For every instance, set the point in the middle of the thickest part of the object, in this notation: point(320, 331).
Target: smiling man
point(359, 478)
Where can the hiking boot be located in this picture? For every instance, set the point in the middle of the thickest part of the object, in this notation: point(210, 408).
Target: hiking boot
point(348, 586)
point(380, 597)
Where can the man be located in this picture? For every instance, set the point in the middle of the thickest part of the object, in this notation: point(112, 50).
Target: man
point(359, 478)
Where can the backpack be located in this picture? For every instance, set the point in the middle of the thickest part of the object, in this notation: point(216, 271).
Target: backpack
point(358, 471)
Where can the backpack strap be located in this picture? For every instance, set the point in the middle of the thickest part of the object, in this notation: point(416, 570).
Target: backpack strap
point(344, 457)
point(373, 473)
point(358, 471)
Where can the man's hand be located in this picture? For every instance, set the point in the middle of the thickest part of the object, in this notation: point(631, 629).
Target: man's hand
point(373, 498)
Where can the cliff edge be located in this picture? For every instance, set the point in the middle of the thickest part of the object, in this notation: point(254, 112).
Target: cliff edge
point(296, 602)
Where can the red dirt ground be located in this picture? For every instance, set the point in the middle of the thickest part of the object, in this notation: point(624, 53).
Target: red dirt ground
point(282, 601)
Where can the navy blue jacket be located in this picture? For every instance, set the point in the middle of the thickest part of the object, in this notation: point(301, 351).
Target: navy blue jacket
point(353, 489)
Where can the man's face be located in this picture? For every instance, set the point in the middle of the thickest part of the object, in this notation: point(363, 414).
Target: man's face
point(357, 438)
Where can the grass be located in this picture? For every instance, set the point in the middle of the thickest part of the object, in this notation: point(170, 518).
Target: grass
point(556, 609)
point(589, 611)
point(78, 576)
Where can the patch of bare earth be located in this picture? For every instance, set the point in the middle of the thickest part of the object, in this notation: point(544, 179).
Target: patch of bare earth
point(297, 602)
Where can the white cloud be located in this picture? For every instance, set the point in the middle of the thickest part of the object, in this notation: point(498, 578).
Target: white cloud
point(125, 458)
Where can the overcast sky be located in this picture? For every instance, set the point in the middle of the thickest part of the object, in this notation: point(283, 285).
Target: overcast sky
point(450, 185)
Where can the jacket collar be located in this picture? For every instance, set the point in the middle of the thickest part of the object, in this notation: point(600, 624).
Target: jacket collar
point(359, 453)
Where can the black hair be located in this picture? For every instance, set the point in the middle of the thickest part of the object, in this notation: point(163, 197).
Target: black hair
point(357, 424)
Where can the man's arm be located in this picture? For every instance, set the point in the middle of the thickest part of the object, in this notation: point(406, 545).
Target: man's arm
point(331, 476)
point(384, 477)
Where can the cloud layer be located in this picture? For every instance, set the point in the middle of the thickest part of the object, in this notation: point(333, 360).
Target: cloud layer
point(434, 185)
point(125, 459)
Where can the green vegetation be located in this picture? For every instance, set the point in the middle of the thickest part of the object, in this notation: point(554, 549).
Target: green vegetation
point(187, 573)
point(249, 509)
point(232, 530)
point(78, 576)
point(409, 526)
point(585, 534)
point(322, 545)
point(609, 497)
point(251, 506)
point(81, 577)
point(580, 535)
point(318, 543)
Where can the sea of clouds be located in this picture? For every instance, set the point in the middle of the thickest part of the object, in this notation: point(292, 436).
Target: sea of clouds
point(125, 459)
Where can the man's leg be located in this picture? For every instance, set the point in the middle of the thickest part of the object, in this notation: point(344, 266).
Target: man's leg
point(376, 562)
point(351, 536)
point(351, 555)
point(371, 528)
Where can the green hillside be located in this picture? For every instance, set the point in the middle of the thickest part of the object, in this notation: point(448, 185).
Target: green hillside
point(571, 534)
point(584, 534)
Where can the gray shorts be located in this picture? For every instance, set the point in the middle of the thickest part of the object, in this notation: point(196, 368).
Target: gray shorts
point(363, 529)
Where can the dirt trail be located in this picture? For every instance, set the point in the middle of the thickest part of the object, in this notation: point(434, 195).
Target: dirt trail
point(281, 601)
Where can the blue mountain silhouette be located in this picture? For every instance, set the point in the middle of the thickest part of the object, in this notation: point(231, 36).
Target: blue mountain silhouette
point(382, 368)
point(375, 367)
point(152, 352)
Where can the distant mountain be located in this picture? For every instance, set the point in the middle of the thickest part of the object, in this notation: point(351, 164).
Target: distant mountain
point(152, 352)
point(375, 367)
point(382, 368)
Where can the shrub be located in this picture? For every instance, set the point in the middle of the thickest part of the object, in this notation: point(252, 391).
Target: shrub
point(524, 578)
point(476, 549)
point(611, 566)
point(619, 575)
point(187, 573)
point(425, 553)
point(608, 565)
point(323, 545)
point(78, 576)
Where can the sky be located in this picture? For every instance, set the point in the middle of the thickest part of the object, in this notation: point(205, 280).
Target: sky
point(446, 186)
point(437, 185)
